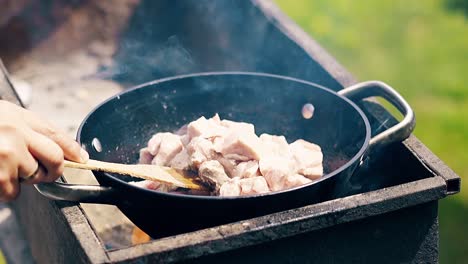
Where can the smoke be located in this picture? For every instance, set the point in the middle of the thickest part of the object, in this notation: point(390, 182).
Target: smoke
point(167, 38)
point(172, 57)
point(143, 62)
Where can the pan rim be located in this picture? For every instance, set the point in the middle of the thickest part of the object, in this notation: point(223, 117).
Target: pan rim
point(325, 177)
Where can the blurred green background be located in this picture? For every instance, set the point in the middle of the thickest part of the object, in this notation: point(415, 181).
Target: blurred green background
point(421, 49)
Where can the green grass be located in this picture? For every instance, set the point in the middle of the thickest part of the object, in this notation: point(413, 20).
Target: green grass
point(421, 49)
point(2, 258)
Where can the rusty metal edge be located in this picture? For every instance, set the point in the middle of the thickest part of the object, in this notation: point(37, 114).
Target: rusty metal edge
point(284, 224)
point(76, 232)
point(84, 231)
point(434, 164)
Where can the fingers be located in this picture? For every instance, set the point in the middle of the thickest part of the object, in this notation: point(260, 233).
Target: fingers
point(37, 173)
point(26, 141)
point(47, 153)
point(71, 149)
point(9, 185)
point(27, 164)
point(10, 149)
point(9, 188)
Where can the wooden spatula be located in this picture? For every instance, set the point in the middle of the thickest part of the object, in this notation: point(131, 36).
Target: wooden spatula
point(144, 171)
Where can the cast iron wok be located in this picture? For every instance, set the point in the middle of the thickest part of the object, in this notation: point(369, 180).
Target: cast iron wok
point(124, 123)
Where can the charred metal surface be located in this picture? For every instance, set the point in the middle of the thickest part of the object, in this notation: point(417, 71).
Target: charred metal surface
point(452, 180)
point(394, 233)
point(57, 231)
point(289, 223)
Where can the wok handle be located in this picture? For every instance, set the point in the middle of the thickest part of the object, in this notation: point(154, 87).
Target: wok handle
point(78, 192)
point(396, 133)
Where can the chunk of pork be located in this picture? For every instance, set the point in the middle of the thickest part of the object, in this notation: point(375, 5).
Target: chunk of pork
point(181, 161)
point(295, 180)
point(145, 156)
point(247, 186)
point(246, 169)
point(205, 128)
point(212, 173)
point(308, 158)
point(230, 188)
point(165, 147)
point(242, 146)
point(275, 170)
point(254, 185)
point(200, 150)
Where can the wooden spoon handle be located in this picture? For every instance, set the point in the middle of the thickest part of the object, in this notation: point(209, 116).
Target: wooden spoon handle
point(144, 171)
point(95, 165)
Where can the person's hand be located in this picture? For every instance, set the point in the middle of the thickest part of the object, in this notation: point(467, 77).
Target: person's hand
point(31, 150)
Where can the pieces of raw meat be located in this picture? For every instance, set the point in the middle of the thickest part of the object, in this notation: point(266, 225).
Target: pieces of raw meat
point(248, 186)
point(308, 158)
point(230, 158)
point(294, 180)
point(254, 185)
point(154, 185)
point(275, 145)
point(230, 188)
point(240, 145)
point(200, 150)
point(212, 173)
point(275, 169)
point(238, 126)
point(181, 161)
point(145, 156)
point(247, 169)
point(205, 128)
point(164, 147)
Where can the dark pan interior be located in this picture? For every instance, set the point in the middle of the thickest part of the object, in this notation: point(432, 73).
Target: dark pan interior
point(123, 124)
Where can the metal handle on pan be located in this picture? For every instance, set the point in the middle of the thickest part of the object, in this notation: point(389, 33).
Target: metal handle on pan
point(396, 133)
point(77, 192)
